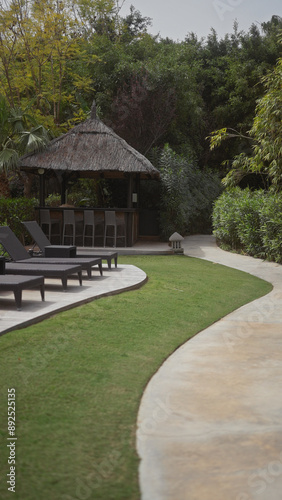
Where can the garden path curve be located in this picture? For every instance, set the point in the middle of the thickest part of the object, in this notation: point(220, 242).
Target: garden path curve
point(210, 420)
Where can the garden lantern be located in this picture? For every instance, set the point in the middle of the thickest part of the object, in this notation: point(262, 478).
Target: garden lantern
point(176, 240)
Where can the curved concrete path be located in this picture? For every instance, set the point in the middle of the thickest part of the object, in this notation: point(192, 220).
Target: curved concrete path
point(124, 277)
point(210, 420)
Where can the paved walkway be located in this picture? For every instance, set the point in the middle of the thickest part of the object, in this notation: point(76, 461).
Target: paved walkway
point(116, 280)
point(210, 420)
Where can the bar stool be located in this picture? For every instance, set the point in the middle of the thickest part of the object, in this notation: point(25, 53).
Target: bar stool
point(46, 220)
point(89, 221)
point(69, 221)
point(111, 220)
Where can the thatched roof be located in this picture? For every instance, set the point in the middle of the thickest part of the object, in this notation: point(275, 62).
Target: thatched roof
point(90, 147)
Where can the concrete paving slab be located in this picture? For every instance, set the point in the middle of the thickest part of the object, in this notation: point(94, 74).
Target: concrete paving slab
point(124, 277)
point(210, 420)
point(141, 247)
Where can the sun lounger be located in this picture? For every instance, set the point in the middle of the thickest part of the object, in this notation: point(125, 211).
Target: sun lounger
point(17, 284)
point(53, 271)
point(19, 254)
point(46, 248)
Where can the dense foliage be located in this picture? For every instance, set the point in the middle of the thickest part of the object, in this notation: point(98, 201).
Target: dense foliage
point(56, 57)
point(14, 211)
point(19, 134)
point(187, 194)
point(250, 221)
point(265, 136)
point(59, 56)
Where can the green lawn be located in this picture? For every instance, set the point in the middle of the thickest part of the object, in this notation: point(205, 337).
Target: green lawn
point(79, 377)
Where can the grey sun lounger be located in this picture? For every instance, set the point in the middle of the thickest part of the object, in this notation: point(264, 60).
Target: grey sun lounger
point(45, 246)
point(19, 254)
point(53, 271)
point(17, 284)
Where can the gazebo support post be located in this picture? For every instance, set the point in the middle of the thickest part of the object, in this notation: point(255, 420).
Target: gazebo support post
point(133, 191)
point(129, 221)
point(138, 190)
point(41, 189)
point(130, 191)
point(64, 186)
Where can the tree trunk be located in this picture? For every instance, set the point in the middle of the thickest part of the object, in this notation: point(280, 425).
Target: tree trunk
point(4, 185)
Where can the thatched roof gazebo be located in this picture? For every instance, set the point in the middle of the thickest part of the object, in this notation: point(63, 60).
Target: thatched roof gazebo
point(91, 149)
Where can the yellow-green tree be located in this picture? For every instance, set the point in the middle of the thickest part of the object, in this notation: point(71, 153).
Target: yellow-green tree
point(40, 43)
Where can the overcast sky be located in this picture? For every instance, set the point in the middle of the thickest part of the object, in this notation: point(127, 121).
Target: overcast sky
point(176, 18)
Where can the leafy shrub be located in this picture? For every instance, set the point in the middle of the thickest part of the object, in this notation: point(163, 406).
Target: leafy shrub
point(271, 227)
point(53, 200)
point(173, 210)
point(225, 218)
point(187, 194)
point(82, 193)
point(250, 222)
point(15, 210)
point(205, 187)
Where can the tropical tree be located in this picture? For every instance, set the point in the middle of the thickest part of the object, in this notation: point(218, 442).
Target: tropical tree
point(187, 194)
point(143, 112)
point(265, 136)
point(232, 80)
point(42, 55)
point(19, 134)
point(267, 129)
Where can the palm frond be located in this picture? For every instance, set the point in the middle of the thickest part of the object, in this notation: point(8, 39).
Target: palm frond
point(34, 140)
point(8, 159)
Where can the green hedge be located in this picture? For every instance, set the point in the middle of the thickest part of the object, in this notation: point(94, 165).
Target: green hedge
point(271, 228)
point(15, 210)
point(250, 222)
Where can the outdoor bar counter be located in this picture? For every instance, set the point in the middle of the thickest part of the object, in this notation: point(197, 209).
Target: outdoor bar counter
point(130, 216)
